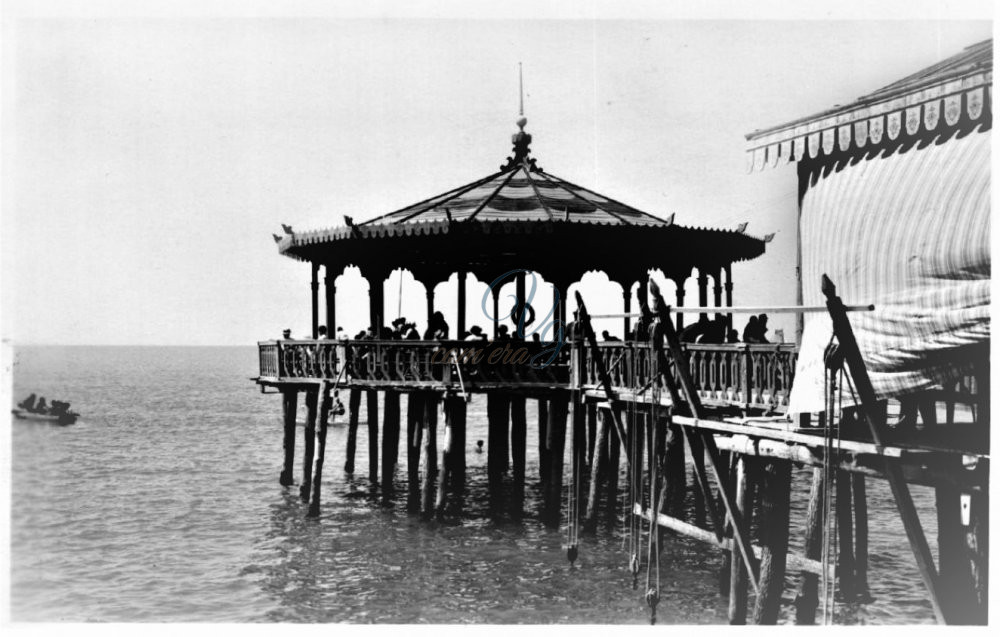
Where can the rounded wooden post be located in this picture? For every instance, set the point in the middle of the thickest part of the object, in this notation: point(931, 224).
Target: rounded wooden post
point(414, 435)
point(354, 403)
point(498, 414)
point(614, 458)
point(372, 435)
point(429, 459)
point(591, 433)
point(676, 475)
point(738, 574)
point(807, 598)
point(390, 440)
point(598, 470)
point(543, 442)
point(958, 600)
point(775, 484)
point(289, 404)
point(860, 538)
point(453, 456)
point(324, 417)
point(556, 434)
point(309, 443)
point(845, 530)
point(518, 443)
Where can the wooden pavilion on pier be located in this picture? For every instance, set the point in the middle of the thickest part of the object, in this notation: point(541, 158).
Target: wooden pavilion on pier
point(655, 404)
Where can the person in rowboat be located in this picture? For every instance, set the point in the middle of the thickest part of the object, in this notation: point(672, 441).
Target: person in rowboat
point(28, 404)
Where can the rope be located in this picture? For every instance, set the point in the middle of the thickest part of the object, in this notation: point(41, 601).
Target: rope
point(653, 553)
point(572, 494)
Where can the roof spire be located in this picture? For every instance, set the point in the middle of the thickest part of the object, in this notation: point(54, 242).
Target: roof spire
point(521, 139)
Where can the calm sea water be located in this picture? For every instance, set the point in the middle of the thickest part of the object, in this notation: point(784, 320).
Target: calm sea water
point(162, 504)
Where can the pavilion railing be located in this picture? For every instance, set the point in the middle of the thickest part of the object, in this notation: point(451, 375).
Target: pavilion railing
point(416, 363)
point(755, 376)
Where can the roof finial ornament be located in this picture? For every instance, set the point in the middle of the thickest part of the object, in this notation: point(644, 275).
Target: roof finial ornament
point(521, 140)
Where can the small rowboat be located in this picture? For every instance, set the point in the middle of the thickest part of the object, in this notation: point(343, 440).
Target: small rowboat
point(65, 418)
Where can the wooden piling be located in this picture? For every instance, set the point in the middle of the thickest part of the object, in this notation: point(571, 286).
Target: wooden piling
point(372, 435)
point(317, 481)
point(309, 444)
point(497, 415)
point(390, 440)
point(845, 536)
point(289, 404)
point(518, 443)
point(598, 471)
point(775, 481)
point(544, 468)
point(556, 436)
point(354, 404)
point(958, 596)
point(737, 575)
point(978, 541)
point(591, 433)
point(414, 435)
point(675, 471)
point(614, 457)
point(429, 459)
point(453, 450)
point(860, 496)
point(807, 598)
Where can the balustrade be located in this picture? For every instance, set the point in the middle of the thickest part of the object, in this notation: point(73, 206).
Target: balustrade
point(757, 376)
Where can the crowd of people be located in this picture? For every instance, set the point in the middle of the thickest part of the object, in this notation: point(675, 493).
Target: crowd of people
point(712, 331)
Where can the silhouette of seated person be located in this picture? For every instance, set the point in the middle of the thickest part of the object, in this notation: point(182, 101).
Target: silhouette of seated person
point(40, 406)
point(732, 336)
point(28, 404)
point(608, 337)
point(58, 407)
point(503, 333)
point(475, 334)
point(411, 332)
point(705, 331)
point(762, 328)
point(751, 331)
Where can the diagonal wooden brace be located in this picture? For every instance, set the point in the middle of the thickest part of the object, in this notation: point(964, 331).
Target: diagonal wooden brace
point(664, 331)
point(848, 348)
point(584, 319)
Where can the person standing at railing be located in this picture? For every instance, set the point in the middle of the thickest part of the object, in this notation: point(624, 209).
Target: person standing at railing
point(608, 337)
point(762, 328)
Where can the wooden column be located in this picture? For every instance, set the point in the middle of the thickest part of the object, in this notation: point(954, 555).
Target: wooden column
point(460, 323)
point(376, 298)
point(556, 434)
point(429, 459)
point(807, 598)
point(702, 291)
point(330, 281)
point(544, 463)
point(309, 436)
point(372, 396)
point(775, 493)
point(496, 310)
point(324, 419)
point(627, 308)
point(314, 288)
point(429, 290)
point(354, 406)
point(414, 435)
point(729, 295)
point(289, 404)
point(680, 302)
point(717, 289)
point(519, 292)
point(518, 442)
point(738, 574)
point(390, 439)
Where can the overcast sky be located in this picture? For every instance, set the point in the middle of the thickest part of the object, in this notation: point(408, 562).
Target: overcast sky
point(147, 161)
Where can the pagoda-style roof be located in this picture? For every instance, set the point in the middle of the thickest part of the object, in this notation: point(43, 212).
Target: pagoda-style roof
point(522, 217)
point(948, 95)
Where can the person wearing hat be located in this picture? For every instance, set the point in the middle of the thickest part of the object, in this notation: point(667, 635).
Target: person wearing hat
point(287, 334)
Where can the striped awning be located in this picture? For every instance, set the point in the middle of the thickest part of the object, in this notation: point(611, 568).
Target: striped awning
point(909, 232)
point(953, 93)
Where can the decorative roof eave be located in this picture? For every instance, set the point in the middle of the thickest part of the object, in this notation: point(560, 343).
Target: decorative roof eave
point(864, 123)
point(289, 243)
